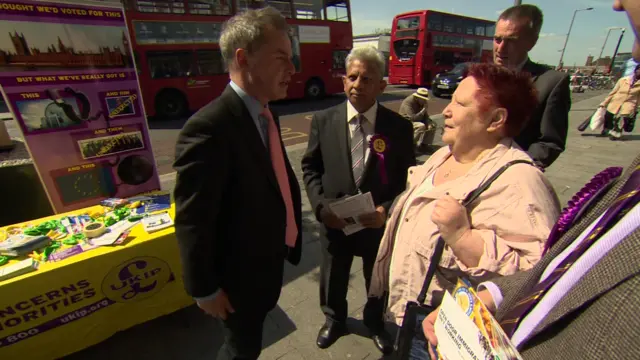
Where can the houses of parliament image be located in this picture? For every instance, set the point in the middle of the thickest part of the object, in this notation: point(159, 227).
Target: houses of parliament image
point(61, 56)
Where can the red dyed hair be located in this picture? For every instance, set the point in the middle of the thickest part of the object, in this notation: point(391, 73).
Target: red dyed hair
point(504, 88)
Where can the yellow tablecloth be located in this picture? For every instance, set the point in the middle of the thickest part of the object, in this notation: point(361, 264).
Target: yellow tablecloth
point(74, 303)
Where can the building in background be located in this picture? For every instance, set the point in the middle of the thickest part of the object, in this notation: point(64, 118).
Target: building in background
point(589, 60)
point(619, 64)
point(378, 41)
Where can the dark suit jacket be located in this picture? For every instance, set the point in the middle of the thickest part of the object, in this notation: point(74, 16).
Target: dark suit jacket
point(597, 318)
point(545, 135)
point(230, 215)
point(328, 174)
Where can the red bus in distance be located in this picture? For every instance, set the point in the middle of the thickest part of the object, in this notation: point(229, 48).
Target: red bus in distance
point(180, 66)
point(426, 42)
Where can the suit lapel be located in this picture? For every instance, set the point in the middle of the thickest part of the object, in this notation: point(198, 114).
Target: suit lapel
point(380, 128)
point(252, 138)
point(613, 268)
point(534, 69)
point(619, 264)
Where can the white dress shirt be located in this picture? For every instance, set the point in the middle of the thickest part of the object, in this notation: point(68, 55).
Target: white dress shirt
point(368, 126)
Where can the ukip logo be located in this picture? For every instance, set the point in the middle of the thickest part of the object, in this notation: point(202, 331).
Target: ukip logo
point(136, 279)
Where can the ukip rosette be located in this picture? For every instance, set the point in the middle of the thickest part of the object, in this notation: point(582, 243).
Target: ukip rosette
point(379, 145)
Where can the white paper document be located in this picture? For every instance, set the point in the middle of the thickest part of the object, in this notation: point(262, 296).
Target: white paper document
point(351, 208)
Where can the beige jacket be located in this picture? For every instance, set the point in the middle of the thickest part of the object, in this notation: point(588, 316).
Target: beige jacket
point(514, 216)
point(623, 100)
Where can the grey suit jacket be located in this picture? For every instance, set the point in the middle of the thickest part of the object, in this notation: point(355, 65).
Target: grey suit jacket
point(599, 317)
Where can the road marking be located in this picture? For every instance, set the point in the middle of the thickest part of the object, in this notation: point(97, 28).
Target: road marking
point(287, 134)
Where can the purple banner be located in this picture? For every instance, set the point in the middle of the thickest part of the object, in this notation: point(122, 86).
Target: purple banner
point(33, 79)
point(68, 71)
point(54, 323)
point(60, 11)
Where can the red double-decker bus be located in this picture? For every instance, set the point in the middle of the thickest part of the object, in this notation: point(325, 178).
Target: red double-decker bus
point(180, 66)
point(426, 42)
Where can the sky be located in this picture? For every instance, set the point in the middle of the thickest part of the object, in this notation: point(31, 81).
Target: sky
point(587, 35)
point(86, 38)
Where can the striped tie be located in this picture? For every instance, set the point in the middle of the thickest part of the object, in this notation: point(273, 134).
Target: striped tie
point(627, 199)
point(358, 149)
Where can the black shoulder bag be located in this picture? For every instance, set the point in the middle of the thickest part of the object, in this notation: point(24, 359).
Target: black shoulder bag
point(410, 341)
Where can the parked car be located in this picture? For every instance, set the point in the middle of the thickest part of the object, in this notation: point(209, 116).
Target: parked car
point(447, 82)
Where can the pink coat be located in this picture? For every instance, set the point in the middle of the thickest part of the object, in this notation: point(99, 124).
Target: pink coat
point(514, 217)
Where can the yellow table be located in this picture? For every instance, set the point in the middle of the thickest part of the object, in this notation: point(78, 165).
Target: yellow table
point(74, 303)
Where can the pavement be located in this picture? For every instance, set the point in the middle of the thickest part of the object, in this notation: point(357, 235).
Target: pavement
point(291, 328)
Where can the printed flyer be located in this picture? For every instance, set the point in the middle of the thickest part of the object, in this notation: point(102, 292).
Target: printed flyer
point(466, 329)
point(68, 76)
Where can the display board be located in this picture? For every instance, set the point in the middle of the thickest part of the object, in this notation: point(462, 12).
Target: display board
point(68, 76)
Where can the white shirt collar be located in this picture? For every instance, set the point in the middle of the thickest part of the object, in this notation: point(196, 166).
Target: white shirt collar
point(370, 114)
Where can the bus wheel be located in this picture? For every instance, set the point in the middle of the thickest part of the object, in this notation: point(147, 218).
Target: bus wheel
point(314, 89)
point(171, 104)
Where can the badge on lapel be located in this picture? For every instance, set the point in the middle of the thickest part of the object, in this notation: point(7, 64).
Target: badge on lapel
point(379, 145)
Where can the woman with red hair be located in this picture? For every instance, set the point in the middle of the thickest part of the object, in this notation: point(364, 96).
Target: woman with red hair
point(503, 231)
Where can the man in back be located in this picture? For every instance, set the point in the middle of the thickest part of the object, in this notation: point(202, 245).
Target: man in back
point(545, 136)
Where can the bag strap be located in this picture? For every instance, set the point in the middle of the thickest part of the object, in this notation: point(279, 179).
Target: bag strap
point(439, 248)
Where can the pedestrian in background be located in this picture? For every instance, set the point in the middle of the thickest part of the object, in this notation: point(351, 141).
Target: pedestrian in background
point(622, 106)
point(414, 108)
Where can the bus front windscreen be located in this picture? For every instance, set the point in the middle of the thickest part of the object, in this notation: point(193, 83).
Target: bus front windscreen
point(406, 49)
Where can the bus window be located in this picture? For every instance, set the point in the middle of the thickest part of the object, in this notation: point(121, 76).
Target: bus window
point(435, 22)
point(448, 24)
point(210, 7)
point(480, 30)
point(337, 10)
point(406, 49)
point(491, 30)
point(339, 59)
point(209, 62)
point(408, 23)
point(170, 6)
point(170, 64)
point(284, 6)
point(309, 9)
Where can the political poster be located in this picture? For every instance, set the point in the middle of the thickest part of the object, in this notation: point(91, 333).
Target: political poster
point(68, 76)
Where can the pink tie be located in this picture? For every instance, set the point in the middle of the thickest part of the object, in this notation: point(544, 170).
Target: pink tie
point(277, 160)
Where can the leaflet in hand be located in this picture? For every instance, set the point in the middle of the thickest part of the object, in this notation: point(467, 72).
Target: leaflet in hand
point(352, 207)
point(466, 329)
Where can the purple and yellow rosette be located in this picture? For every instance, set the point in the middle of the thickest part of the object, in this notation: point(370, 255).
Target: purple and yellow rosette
point(379, 146)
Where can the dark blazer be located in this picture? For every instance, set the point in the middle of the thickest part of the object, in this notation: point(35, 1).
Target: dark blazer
point(598, 317)
point(545, 135)
point(328, 174)
point(230, 215)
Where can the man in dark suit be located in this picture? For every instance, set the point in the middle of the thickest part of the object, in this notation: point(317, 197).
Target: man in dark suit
point(340, 162)
point(581, 300)
point(545, 135)
point(238, 203)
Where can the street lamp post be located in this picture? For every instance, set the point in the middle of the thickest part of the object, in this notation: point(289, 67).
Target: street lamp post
point(615, 52)
point(517, 2)
point(606, 38)
point(569, 33)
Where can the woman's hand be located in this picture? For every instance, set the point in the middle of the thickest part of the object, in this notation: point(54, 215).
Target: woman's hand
point(451, 218)
point(428, 327)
